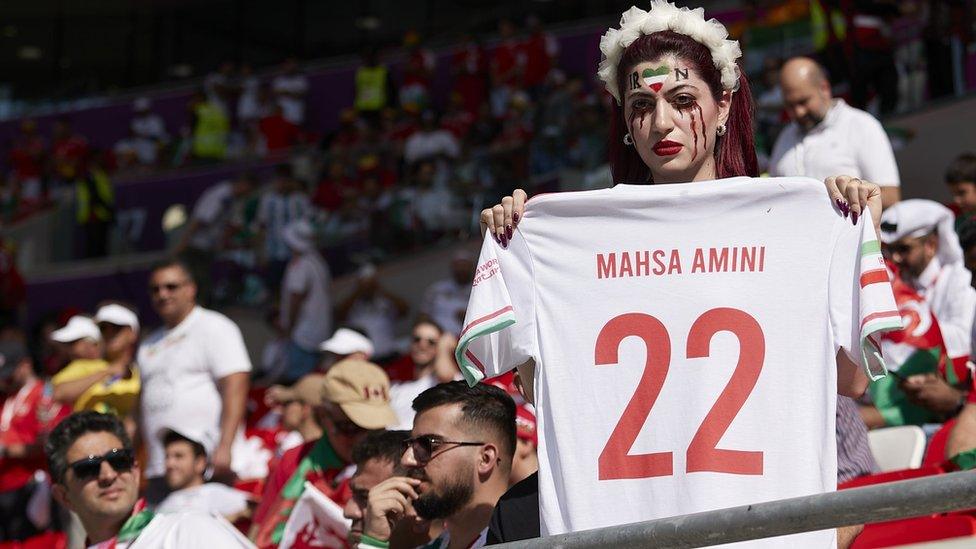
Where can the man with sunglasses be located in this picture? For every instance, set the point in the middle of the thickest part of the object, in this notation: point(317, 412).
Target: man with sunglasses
point(429, 362)
point(350, 400)
point(195, 372)
point(457, 461)
point(95, 474)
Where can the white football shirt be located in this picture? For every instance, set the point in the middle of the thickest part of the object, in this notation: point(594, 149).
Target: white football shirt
point(685, 338)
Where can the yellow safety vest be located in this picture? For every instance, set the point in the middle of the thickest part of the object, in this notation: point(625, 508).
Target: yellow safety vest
point(95, 197)
point(370, 88)
point(210, 133)
point(819, 24)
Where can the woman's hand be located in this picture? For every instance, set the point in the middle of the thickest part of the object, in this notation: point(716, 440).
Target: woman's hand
point(501, 219)
point(852, 196)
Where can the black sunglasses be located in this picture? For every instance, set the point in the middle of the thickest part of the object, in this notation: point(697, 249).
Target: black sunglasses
point(417, 339)
point(121, 459)
point(424, 446)
point(170, 287)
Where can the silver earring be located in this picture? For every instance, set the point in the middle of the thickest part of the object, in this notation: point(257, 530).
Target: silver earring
point(721, 129)
point(628, 140)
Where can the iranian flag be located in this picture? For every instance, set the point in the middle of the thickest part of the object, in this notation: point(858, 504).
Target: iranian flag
point(654, 78)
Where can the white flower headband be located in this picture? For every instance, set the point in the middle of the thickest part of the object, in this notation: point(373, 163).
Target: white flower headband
point(663, 16)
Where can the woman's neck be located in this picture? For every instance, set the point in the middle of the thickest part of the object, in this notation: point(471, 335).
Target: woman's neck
point(704, 172)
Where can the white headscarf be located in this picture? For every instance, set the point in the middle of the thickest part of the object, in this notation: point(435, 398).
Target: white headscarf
point(918, 217)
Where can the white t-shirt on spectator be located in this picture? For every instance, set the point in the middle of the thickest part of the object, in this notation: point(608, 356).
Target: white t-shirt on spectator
point(445, 302)
point(309, 274)
point(150, 126)
point(428, 144)
point(248, 104)
point(210, 498)
point(401, 398)
point(377, 316)
point(685, 338)
point(212, 209)
point(293, 109)
point(180, 368)
point(847, 142)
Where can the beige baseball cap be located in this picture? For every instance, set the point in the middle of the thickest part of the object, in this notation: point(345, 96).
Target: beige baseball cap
point(307, 389)
point(362, 390)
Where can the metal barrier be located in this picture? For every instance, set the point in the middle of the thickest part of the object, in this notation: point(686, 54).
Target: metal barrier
point(881, 502)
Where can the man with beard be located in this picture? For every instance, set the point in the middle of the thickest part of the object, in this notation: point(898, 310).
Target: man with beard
point(458, 461)
point(827, 136)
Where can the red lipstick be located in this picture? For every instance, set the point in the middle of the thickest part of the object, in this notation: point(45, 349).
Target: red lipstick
point(667, 148)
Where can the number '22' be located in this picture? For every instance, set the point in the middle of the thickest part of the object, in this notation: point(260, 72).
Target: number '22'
point(703, 455)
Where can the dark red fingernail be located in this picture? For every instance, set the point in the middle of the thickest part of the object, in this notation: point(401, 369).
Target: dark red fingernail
point(840, 205)
point(508, 231)
point(854, 218)
point(504, 241)
point(516, 217)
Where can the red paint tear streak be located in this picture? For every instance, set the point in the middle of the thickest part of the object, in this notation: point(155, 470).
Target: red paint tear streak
point(694, 132)
point(702, 117)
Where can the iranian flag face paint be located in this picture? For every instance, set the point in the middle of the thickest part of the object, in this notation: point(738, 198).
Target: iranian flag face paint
point(654, 77)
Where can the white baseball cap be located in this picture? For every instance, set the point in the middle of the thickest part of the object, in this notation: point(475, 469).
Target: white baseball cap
point(113, 313)
point(345, 342)
point(78, 327)
point(201, 435)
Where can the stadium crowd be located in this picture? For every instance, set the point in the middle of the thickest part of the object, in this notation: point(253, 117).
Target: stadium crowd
point(111, 433)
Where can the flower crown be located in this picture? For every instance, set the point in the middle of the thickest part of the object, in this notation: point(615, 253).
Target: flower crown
point(663, 16)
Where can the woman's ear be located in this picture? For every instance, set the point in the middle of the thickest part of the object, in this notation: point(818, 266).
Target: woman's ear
point(724, 107)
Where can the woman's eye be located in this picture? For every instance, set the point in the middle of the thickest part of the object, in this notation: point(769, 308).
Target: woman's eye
point(641, 104)
point(684, 100)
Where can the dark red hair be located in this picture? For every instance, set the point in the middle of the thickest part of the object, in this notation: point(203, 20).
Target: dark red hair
point(735, 152)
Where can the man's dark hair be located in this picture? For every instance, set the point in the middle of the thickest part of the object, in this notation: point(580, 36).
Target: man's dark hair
point(483, 406)
point(383, 445)
point(71, 429)
point(967, 234)
point(172, 436)
point(962, 169)
point(169, 263)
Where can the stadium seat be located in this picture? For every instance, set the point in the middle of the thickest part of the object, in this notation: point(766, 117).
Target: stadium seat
point(917, 530)
point(935, 453)
point(892, 476)
point(897, 448)
point(47, 540)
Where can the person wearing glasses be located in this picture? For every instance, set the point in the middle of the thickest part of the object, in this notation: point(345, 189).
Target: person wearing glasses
point(457, 461)
point(429, 362)
point(95, 474)
point(195, 373)
point(351, 400)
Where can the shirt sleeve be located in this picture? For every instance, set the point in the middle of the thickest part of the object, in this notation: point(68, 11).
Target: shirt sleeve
point(874, 154)
point(297, 277)
point(956, 317)
point(861, 300)
point(79, 369)
point(499, 326)
point(226, 350)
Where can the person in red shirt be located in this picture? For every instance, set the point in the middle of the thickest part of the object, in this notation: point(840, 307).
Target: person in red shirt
point(470, 68)
point(418, 71)
point(279, 134)
point(538, 50)
point(68, 151)
point(27, 415)
point(27, 160)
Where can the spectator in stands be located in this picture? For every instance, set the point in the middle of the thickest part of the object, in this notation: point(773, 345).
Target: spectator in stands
point(352, 400)
point(209, 128)
point(80, 341)
point(418, 72)
point(278, 207)
point(195, 371)
point(297, 404)
point(429, 362)
point(149, 126)
point(967, 240)
point(95, 207)
point(374, 308)
point(208, 228)
point(446, 300)
point(105, 385)
point(539, 50)
point(507, 64)
point(95, 474)
point(133, 152)
point(346, 342)
point(960, 177)
point(26, 159)
point(186, 467)
point(328, 193)
point(27, 417)
point(290, 88)
point(69, 151)
point(220, 86)
point(458, 462)
point(306, 300)
point(430, 142)
point(470, 69)
point(377, 458)
point(828, 137)
point(248, 103)
point(374, 87)
point(278, 134)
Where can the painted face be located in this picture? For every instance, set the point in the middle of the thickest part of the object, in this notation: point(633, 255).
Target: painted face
point(182, 466)
point(964, 195)
point(371, 473)
point(107, 496)
point(672, 117)
point(448, 475)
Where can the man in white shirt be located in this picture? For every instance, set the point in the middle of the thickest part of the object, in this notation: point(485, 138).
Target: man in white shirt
point(375, 309)
point(195, 374)
point(186, 465)
point(290, 88)
point(458, 461)
point(446, 300)
point(827, 137)
point(95, 474)
point(306, 302)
